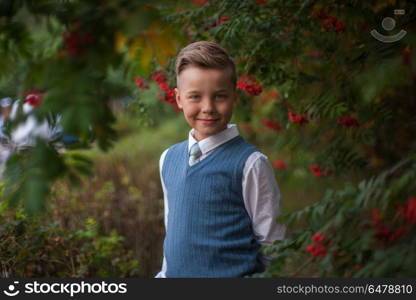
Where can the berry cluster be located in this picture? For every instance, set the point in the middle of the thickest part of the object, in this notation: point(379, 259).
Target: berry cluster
point(329, 23)
point(317, 248)
point(297, 118)
point(384, 233)
point(348, 121)
point(407, 56)
point(250, 86)
point(220, 21)
point(77, 42)
point(280, 165)
point(272, 125)
point(34, 99)
point(199, 2)
point(141, 83)
point(169, 92)
point(318, 171)
point(408, 212)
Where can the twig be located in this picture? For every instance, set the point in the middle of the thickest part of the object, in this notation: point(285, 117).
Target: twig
point(301, 267)
point(398, 165)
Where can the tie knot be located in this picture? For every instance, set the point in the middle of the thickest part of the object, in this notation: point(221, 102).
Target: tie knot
point(194, 154)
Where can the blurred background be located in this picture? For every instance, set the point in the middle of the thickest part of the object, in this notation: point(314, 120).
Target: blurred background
point(327, 92)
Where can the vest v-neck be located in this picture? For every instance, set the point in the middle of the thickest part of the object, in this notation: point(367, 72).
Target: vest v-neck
point(211, 156)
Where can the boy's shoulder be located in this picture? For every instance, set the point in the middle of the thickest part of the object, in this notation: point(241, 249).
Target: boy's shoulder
point(177, 145)
point(256, 157)
point(174, 146)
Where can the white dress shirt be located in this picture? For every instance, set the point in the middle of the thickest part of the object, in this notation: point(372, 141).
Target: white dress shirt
point(25, 133)
point(261, 193)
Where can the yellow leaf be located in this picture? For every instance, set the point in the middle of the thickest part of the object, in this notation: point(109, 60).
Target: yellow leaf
point(157, 41)
point(146, 56)
point(131, 54)
point(160, 39)
point(119, 41)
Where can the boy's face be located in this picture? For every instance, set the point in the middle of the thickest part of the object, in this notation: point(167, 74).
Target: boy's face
point(207, 98)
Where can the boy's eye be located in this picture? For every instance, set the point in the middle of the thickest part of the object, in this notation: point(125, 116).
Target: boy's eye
point(220, 97)
point(194, 97)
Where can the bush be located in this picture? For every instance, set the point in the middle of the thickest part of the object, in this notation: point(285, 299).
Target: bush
point(31, 248)
point(364, 230)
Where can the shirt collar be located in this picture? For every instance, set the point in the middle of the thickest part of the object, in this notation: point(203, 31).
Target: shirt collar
point(212, 142)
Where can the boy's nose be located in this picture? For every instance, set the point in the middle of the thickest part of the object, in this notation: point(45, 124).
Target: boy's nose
point(208, 106)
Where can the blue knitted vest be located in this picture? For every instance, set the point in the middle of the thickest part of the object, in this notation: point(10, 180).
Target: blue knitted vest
point(209, 232)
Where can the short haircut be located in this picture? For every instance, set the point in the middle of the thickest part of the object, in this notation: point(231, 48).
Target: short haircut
point(205, 54)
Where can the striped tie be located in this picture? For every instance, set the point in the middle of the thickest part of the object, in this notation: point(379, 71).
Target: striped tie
point(194, 154)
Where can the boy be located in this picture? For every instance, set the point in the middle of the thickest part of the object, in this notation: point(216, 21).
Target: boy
point(221, 199)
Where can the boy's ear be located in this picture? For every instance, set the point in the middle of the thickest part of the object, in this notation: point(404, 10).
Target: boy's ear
point(178, 98)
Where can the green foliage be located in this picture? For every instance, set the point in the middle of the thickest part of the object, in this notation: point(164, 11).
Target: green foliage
point(30, 248)
point(104, 255)
point(354, 244)
point(30, 172)
point(81, 55)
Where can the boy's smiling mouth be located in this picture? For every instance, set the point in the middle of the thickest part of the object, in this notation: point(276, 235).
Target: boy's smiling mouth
point(207, 121)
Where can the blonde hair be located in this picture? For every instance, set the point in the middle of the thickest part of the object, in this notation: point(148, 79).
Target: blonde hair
point(205, 54)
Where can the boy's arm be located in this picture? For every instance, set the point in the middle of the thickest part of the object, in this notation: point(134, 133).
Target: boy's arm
point(262, 199)
point(162, 273)
point(165, 197)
